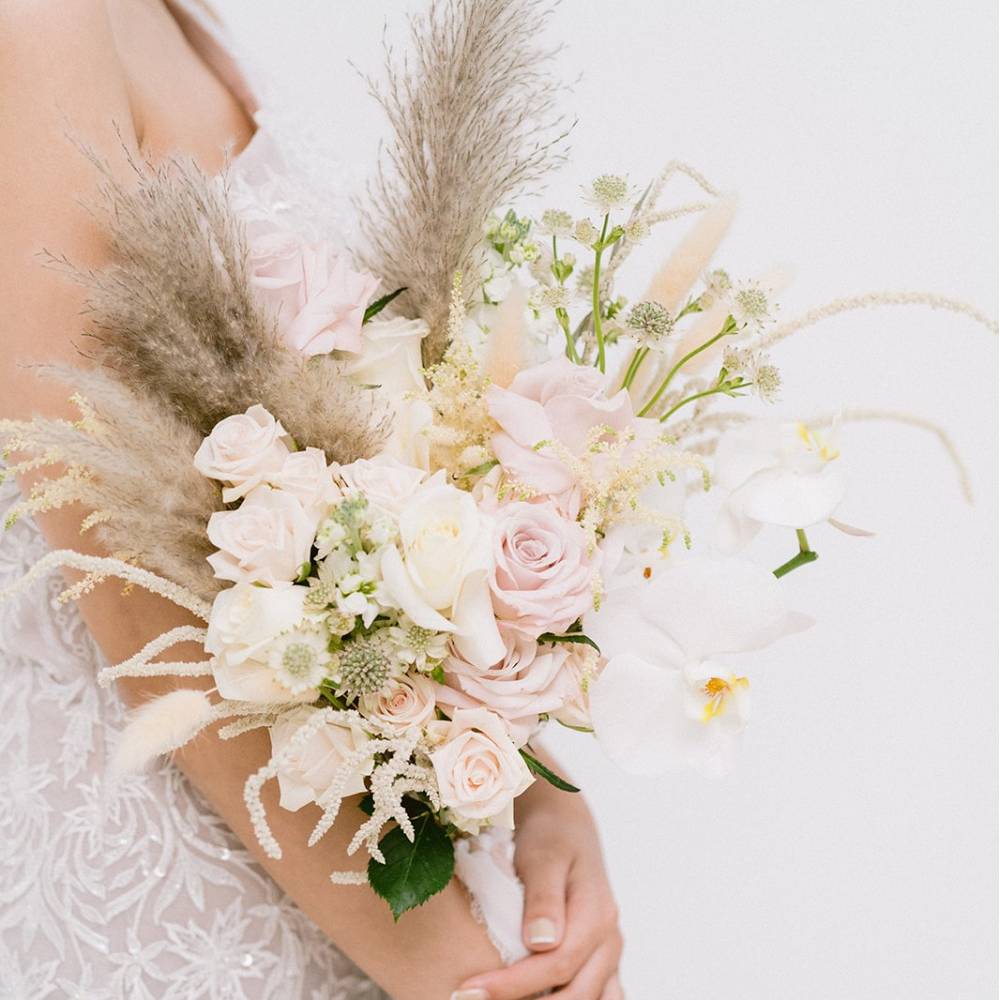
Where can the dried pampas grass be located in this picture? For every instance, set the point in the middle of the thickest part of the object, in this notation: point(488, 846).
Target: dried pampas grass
point(175, 318)
point(129, 461)
point(474, 122)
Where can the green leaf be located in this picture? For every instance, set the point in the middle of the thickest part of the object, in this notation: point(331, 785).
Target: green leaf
point(481, 470)
point(413, 872)
point(438, 674)
point(537, 767)
point(367, 805)
point(379, 304)
point(574, 637)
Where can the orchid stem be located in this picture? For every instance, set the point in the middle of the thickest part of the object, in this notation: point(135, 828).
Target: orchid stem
point(804, 556)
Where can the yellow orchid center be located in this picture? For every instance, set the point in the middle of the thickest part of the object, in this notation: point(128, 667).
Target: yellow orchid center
point(815, 442)
point(718, 690)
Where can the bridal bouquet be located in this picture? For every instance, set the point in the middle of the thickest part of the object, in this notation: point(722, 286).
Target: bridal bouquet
point(426, 494)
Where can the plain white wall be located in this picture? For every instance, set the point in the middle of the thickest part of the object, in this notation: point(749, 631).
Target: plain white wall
point(852, 854)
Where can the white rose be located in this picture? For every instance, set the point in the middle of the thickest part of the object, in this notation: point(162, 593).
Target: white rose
point(313, 767)
point(307, 476)
point(479, 770)
point(390, 356)
point(404, 703)
point(438, 574)
point(243, 450)
point(243, 622)
point(383, 480)
point(267, 539)
point(408, 441)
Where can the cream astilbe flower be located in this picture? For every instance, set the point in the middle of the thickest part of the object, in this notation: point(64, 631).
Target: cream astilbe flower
point(776, 473)
point(667, 695)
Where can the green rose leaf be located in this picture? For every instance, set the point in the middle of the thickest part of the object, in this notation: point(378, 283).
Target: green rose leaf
point(379, 304)
point(537, 767)
point(574, 637)
point(413, 872)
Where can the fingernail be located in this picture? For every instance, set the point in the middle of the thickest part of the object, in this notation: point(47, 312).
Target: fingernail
point(476, 994)
point(541, 931)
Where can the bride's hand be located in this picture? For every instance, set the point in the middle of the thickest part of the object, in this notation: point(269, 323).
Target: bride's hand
point(570, 916)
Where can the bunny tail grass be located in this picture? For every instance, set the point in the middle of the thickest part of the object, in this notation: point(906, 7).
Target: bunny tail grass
point(161, 726)
point(473, 122)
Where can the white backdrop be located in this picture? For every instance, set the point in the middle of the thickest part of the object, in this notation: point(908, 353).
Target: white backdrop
point(852, 854)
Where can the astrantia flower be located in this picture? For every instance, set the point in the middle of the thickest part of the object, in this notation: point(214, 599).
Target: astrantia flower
point(651, 322)
point(667, 697)
point(417, 647)
point(750, 305)
point(299, 659)
point(717, 284)
point(556, 222)
point(585, 231)
point(607, 192)
point(776, 473)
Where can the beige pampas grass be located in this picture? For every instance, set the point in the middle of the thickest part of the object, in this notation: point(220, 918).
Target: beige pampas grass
point(161, 726)
point(473, 123)
point(128, 460)
point(175, 318)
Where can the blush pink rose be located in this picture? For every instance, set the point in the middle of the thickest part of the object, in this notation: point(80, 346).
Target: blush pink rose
point(530, 679)
point(542, 576)
point(556, 401)
point(318, 299)
point(404, 703)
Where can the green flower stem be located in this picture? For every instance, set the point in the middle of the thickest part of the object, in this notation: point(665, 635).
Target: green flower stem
point(563, 317)
point(633, 368)
point(727, 328)
point(726, 387)
point(598, 331)
point(803, 557)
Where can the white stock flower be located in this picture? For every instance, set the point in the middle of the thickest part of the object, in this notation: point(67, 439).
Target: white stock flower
point(267, 539)
point(438, 574)
point(478, 768)
point(775, 473)
point(664, 698)
point(313, 767)
point(243, 622)
point(243, 450)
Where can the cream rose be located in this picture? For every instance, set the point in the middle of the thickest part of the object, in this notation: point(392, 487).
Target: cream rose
point(311, 769)
point(318, 299)
point(404, 703)
point(479, 770)
point(267, 539)
point(529, 679)
point(384, 481)
point(244, 621)
point(438, 573)
point(542, 576)
point(243, 450)
point(306, 476)
point(390, 355)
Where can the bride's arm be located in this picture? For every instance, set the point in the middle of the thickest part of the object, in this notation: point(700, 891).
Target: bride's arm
point(44, 185)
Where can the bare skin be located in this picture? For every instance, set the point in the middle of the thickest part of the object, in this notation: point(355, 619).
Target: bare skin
point(121, 73)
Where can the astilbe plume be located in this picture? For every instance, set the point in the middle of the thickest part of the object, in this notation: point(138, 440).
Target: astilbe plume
point(174, 316)
point(129, 462)
point(474, 122)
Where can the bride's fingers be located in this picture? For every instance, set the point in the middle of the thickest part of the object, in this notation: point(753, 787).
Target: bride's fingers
point(544, 875)
point(532, 975)
point(613, 991)
point(593, 980)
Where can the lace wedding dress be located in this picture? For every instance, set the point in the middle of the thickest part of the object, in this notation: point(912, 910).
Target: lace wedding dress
point(135, 890)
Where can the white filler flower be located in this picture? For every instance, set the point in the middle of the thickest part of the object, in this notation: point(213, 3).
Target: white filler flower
point(664, 699)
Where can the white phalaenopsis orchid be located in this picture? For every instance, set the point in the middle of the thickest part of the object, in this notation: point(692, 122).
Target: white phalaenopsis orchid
point(775, 473)
point(665, 697)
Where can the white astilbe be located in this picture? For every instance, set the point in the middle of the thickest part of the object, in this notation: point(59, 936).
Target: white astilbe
point(872, 300)
point(141, 665)
point(474, 121)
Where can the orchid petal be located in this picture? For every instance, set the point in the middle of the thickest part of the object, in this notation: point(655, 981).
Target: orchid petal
point(789, 497)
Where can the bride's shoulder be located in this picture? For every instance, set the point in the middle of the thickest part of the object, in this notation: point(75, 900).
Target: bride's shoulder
point(58, 64)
